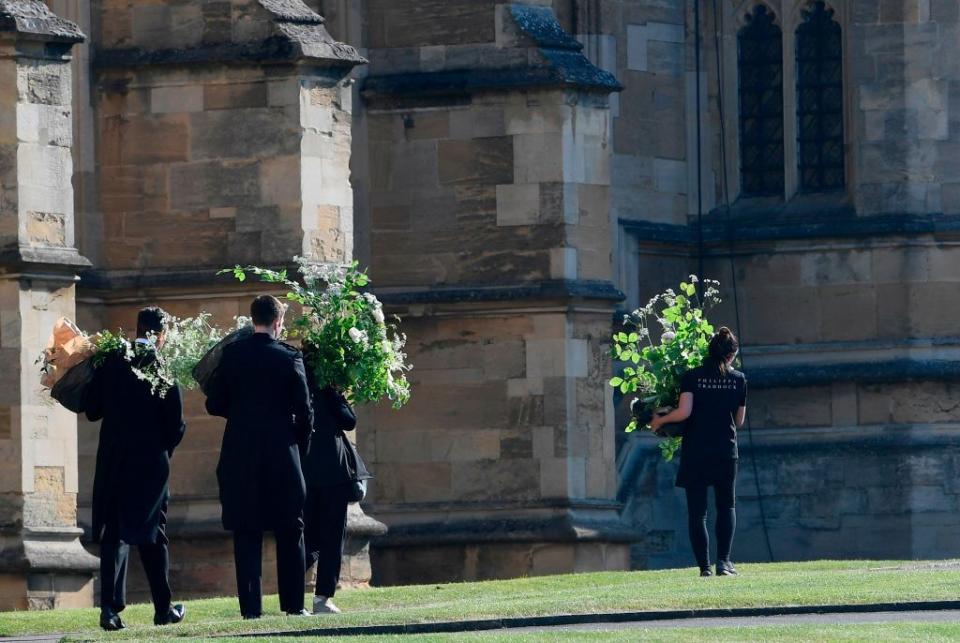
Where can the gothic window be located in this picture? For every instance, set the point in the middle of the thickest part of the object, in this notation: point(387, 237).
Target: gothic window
point(820, 101)
point(760, 65)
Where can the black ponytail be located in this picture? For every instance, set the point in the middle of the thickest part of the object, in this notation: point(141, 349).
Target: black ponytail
point(723, 345)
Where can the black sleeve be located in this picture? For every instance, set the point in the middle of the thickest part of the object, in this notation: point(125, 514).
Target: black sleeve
point(688, 383)
point(93, 395)
point(173, 425)
point(344, 418)
point(218, 395)
point(302, 409)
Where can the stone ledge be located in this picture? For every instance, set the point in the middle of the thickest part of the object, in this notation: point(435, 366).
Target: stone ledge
point(769, 227)
point(57, 263)
point(471, 81)
point(552, 289)
point(883, 439)
point(32, 19)
point(890, 371)
point(106, 281)
point(48, 550)
point(565, 528)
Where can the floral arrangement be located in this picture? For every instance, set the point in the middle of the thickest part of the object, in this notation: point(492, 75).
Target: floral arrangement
point(186, 340)
point(346, 340)
point(654, 368)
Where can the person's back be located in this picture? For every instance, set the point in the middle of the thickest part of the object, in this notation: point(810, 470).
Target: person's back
point(258, 389)
point(711, 430)
point(138, 435)
point(260, 386)
point(713, 404)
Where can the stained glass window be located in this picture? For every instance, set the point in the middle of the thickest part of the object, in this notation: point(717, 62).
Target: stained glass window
point(820, 101)
point(760, 64)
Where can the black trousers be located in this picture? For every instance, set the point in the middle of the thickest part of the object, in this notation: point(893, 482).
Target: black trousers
point(325, 530)
point(724, 488)
point(114, 558)
point(248, 554)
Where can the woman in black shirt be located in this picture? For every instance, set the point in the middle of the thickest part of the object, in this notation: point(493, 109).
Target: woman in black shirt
point(713, 402)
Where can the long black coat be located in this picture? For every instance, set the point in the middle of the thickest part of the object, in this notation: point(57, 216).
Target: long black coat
point(261, 388)
point(137, 437)
point(327, 464)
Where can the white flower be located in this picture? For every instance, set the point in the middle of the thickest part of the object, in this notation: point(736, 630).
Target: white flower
point(668, 336)
point(378, 315)
point(386, 346)
point(356, 335)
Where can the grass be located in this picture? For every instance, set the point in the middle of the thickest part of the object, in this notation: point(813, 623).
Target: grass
point(814, 583)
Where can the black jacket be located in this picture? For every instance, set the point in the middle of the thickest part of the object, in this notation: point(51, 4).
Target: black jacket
point(137, 437)
point(261, 388)
point(327, 464)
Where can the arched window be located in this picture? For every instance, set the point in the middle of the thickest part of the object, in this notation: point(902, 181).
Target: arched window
point(760, 64)
point(820, 100)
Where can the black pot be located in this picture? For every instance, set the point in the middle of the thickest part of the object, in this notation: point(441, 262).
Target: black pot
point(670, 430)
point(641, 413)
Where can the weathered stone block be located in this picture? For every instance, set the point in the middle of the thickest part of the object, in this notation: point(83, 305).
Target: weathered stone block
point(176, 99)
point(476, 161)
point(239, 95)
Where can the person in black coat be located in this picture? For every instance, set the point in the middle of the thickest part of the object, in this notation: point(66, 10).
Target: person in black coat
point(329, 472)
point(260, 386)
point(138, 435)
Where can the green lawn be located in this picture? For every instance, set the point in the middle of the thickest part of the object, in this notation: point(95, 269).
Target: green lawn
point(779, 584)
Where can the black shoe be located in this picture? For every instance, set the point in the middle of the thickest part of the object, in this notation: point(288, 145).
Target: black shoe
point(110, 620)
point(301, 612)
point(726, 568)
point(174, 615)
point(706, 572)
point(251, 617)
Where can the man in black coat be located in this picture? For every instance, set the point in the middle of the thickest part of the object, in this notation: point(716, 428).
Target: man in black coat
point(260, 386)
point(139, 432)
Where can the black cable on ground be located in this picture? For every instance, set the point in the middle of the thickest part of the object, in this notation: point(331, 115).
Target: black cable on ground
point(717, 24)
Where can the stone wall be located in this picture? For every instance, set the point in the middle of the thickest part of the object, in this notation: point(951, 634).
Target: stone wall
point(42, 564)
point(489, 233)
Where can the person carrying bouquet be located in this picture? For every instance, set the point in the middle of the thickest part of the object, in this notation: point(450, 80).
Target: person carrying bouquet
point(329, 469)
point(713, 403)
point(137, 438)
point(260, 386)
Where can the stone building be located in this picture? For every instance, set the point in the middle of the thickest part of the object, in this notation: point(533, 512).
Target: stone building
point(516, 175)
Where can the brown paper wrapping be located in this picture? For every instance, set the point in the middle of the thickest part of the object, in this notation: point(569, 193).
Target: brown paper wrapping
point(68, 346)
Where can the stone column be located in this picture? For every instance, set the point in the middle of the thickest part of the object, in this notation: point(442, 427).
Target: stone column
point(42, 564)
point(490, 235)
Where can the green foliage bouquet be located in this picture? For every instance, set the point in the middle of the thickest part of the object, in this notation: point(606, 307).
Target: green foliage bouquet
point(347, 342)
point(186, 340)
point(653, 368)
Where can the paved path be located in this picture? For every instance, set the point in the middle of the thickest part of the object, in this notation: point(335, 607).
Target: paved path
point(846, 618)
point(854, 618)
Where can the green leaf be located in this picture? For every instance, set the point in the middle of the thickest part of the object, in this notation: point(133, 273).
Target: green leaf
point(616, 381)
point(635, 358)
point(624, 387)
point(623, 337)
point(633, 338)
